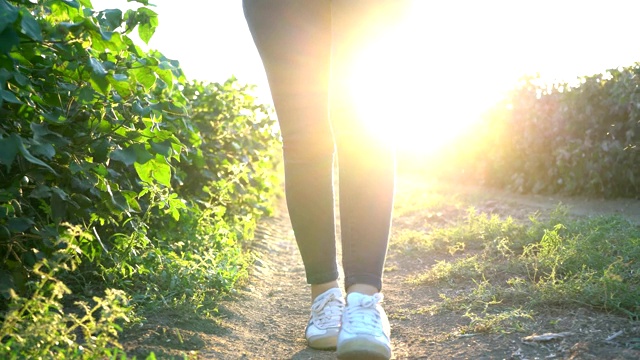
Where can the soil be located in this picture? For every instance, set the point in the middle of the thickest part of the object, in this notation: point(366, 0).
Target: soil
point(266, 319)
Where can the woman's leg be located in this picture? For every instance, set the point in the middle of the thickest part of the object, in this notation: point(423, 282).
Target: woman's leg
point(293, 38)
point(366, 164)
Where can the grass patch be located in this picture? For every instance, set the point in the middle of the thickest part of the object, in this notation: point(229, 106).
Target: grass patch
point(412, 241)
point(462, 270)
point(480, 231)
point(510, 268)
point(420, 195)
point(506, 321)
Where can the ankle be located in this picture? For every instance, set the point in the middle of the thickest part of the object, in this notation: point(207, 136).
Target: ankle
point(317, 289)
point(363, 289)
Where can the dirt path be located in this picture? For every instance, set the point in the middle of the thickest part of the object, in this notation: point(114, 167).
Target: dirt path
point(578, 206)
point(267, 319)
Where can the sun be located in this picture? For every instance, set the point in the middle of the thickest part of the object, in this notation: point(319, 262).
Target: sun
point(405, 101)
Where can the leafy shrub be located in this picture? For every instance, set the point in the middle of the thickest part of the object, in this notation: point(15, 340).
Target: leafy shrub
point(577, 140)
point(161, 179)
point(558, 138)
point(88, 121)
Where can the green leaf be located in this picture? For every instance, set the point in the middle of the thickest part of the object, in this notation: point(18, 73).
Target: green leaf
point(21, 79)
point(30, 26)
point(58, 205)
point(40, 131)
point(106, 35)
point(83, 201)
point(145, 76)
point(139, 110)
point(61, 193)
point(46, 150)
point(20, 224)
point(97, 67)
point(120, 201)
point(4, 74)
point(157, 170)
point(8, 151)
point(8, 39)
point(42, 134)
point(147, 25)
point(100, 84)
point(132, 200)
point(163, 148)
point(162, 174)
point(120, 84)
point(8, 14)
point(73, 3)
point(100, 170)
point(8, 96)
point(131, 20)
point(27, 155)
point(127, 156)
point(41, 192)
point(142, 154)
point(136, 153)
point(86, 95)
point(6, 210)
point(166, 76)
point(145, 171)
point(113, 18)
point(100, 151)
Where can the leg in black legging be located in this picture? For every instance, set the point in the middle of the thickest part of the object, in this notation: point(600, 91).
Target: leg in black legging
point(294, 41)
point(366, 164)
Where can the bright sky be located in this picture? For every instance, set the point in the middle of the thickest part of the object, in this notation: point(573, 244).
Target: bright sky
point(460, 56)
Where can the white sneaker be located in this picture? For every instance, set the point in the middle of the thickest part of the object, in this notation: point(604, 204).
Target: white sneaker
point(365, 332)
point(324, 324)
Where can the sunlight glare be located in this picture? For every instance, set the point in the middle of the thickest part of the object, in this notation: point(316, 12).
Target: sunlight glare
point(406, 101)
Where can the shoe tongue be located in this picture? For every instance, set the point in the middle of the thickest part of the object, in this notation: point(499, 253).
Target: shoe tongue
point(337, 293)
point(358, 298)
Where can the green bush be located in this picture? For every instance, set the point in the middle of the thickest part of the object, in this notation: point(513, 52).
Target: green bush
point(88, 128)
point(559, 138)
point(577, 140)
point(162, 180)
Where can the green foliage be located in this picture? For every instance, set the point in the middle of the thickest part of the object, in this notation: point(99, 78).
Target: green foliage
point(39, 326)
point(561, 138)
point(161, 181)
point(235, 158)
point(79, 99)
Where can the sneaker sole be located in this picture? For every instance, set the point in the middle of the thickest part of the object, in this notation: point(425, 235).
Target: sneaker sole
point(324, 342)
point(363, 348)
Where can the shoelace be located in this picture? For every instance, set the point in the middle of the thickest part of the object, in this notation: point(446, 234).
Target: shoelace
point(327, 312)
point(364, 316)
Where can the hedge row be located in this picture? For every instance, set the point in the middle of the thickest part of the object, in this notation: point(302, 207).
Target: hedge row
point(116, 173)
point(579, 139)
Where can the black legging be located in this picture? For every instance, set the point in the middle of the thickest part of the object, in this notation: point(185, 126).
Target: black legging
point(307, 50)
